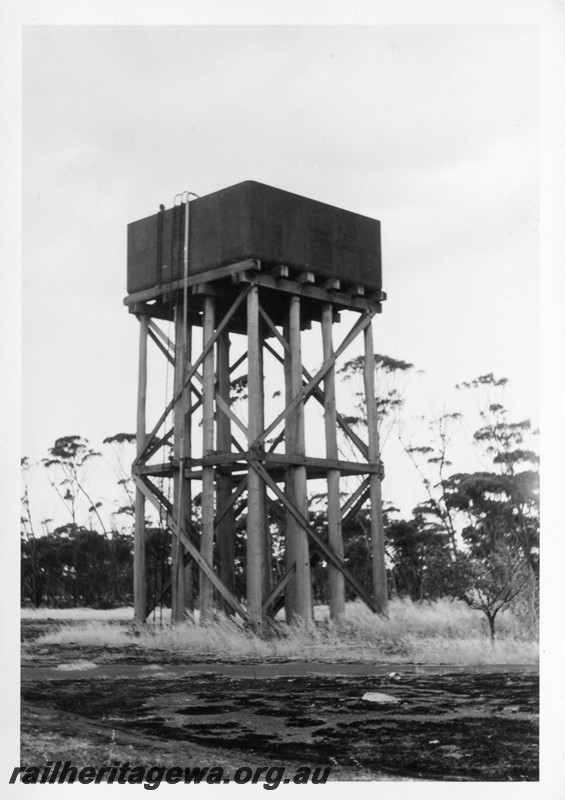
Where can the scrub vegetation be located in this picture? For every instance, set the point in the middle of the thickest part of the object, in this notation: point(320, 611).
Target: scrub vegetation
point(437, 632)
point(473, 539)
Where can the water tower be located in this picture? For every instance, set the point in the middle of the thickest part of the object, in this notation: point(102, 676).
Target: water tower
point(257, 265)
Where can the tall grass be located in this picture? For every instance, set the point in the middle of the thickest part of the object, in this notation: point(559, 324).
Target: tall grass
point(31, 614)
point(86, 634)
point(431, 633)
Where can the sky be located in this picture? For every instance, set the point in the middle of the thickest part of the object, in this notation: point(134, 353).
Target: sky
point(433, 130)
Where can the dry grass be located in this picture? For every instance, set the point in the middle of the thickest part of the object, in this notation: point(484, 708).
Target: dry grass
point(88, 634)
point(428, 633)
point(125, 613)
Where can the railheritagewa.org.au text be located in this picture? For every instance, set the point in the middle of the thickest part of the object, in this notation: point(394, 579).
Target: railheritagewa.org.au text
point(270, 777)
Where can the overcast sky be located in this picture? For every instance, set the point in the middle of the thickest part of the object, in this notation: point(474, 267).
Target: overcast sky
point(432, 130)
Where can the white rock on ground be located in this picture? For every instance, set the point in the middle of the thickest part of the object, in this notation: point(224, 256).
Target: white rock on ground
point(377, 697)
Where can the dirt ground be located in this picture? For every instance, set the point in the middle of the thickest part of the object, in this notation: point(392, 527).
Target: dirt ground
point(95, 706)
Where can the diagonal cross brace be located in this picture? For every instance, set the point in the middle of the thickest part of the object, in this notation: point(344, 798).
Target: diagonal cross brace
point(219, 400)
point(238, 491)
point(280, 587)
point(310, 387)
point(170, 358)
point(156, 443)
point(192, 371)
point(361, 500)
point(238, 363)
point(152, 605)
point(357, 441)
point(156, 330)
point(223, 406)
point(191, 549)
point(353, 499)
point(318, 394)
point(318, 541)
point(273, 328)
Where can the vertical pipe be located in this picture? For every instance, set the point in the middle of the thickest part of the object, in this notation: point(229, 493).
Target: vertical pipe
point(255, 489)
point(139, 580)
point(187, 573)
point(225, 532)
point(207, 538)
point(335, 539)
point(182, 448)
point(290, 528)
point(377, 528)
point(299, 591)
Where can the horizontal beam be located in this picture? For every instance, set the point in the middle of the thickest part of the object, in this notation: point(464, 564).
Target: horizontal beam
point(340, 299)
point(192, 280)
point(162, 311)
point(240, 460)
point(350, 467)
point(156, 470)
point(277, 472)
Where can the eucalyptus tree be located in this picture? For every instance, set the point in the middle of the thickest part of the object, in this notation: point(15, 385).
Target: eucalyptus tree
point(491, 516)
point(490, 568)
point(391, 377)
point(67, 469)
point(120, 444)
point(511, 447)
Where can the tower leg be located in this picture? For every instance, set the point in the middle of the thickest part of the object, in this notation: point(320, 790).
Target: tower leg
point(225, 532)
point(298, 597)
point(335, 539)
point(256, 561)
point(207, 538)
point(377, 528)
point(139, 579)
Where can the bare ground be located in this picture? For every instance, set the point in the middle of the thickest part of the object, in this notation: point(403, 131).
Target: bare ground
point(455, 724)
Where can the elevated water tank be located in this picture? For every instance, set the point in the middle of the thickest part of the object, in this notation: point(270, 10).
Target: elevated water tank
point(252, 220)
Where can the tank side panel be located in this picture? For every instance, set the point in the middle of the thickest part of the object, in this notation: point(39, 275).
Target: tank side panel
point(305, 234)
point(142, 257)
point(251, 220)
point(219, 227)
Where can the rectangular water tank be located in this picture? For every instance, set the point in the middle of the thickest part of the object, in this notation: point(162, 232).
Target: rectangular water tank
point(252, 220)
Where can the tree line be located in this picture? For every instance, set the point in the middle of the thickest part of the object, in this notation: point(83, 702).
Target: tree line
point(474, 536)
